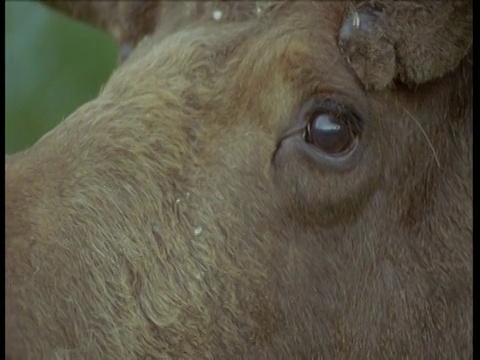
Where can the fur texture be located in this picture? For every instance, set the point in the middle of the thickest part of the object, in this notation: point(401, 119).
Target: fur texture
point(415, 42)
point(165, 220)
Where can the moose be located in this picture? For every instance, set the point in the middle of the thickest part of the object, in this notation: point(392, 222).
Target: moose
point(256, 180)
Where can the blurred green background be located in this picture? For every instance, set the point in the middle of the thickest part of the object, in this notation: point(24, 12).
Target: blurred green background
point(53, 65)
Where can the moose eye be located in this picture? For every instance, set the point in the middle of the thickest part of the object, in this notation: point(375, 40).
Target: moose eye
point(331, 133)
point(326, 131)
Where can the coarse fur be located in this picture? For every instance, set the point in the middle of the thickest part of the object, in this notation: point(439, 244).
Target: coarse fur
point(415, 42)
point(166, 219)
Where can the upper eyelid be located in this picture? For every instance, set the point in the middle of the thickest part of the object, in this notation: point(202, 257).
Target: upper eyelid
point(327, 104)
point(350, 98)
point(331, 102)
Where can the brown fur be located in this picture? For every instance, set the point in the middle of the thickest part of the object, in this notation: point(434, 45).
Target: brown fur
point(414, 42)
point(163, 220)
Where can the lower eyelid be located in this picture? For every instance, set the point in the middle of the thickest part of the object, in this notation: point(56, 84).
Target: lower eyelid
point(340, 163)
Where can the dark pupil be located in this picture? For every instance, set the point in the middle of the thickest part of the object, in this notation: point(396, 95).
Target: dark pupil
point(329, 134)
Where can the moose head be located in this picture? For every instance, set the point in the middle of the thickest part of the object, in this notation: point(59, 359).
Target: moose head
point(270, 180)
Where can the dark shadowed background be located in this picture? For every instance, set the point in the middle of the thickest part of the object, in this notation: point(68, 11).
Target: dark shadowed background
point(52, 66)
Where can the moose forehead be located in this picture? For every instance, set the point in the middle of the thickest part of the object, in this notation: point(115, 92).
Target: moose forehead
point(266, 59)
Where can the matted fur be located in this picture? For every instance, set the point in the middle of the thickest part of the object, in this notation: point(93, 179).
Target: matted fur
point(162, 219)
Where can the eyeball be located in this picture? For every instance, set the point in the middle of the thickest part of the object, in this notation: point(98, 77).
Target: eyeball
point(332, 133)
